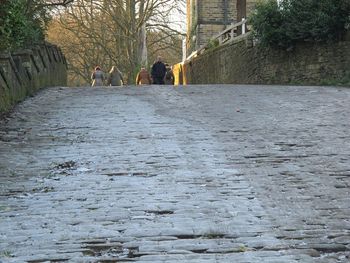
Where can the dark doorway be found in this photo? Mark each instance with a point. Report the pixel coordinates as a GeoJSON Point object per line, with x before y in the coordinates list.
{"type": "Point", "coordinates": [241, 9]}
{"type": "Point", "coordinates": [241, 13]}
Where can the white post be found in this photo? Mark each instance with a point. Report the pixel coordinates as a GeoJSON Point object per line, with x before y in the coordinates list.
{"type": "Point", "coordinates": [184, 50]}
{"type": "Point", "coordinates": [243, 26]}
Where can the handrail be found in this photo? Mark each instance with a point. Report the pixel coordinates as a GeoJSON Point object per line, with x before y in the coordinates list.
{"type": "Point", "coordinates": [231, 31]}
{"type": "Point", "coordinates": [225, 36]}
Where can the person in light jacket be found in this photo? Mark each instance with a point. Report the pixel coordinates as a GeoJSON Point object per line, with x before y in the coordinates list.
{"type": "Point", "coordinates": [143, 77]}
{"type": "Point", "coordinates": [97, 77]}
{"type": "Point", "coordinates": [115, 77]}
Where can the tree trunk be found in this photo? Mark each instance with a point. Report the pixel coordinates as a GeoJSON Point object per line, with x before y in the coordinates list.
{"type": "Point", "coordinates": [142, 46]}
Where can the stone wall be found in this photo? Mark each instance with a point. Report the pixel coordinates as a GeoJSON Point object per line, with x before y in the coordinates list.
{"type": "Point", "coordinates": [24, 72]}
{"type": "Point", "coordinates": [241, 62]}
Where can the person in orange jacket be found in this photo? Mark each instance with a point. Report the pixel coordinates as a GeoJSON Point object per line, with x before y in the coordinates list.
{"type": "Point", "coordinates": [143, 77]}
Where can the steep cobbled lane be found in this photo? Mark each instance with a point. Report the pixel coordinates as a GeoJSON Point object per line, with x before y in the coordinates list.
{"type": "Point", "coordinates": [220, 173]}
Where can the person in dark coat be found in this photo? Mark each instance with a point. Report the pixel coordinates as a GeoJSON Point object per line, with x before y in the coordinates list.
{"type": "Point", "coordinates": [158, 71]}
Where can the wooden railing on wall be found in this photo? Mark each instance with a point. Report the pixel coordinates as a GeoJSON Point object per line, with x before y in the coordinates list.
{"type": "Point", "coordinates": [224, 37]}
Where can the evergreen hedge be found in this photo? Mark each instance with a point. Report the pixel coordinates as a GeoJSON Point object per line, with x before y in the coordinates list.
{"type": "Point", "coordinates": [287, 22]}
{"type": "Point", "coordinates": [20, 26]}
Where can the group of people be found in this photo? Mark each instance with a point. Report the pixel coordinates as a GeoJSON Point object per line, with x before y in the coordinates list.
{"type": "Point", "coordinates": [115, 77]}
{"type": "Point", "coordinates": [161, 74]}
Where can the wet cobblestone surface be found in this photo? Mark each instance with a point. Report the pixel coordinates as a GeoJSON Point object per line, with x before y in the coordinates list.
{"type": "Point", "coordinates": [163, 174]}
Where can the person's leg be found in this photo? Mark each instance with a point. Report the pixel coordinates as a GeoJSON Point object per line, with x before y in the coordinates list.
{"type": "Point", "coordinates": [157, 81]}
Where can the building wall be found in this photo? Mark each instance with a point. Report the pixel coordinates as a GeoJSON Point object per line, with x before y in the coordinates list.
{"type": "Point", "coordinates": [212, 19]}
{"type": "Point", "coordinates": [207, 18]}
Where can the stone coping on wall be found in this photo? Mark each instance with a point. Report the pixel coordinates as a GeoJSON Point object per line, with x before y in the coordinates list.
{"type": "Point", "coordinates": [25, 71]}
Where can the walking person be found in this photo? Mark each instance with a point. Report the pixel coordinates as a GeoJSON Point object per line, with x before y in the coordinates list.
{"type": "Point", "coordinates": [97, 77]}
{"type": "Point", "coordinates": [169, 76]}
{"type": "Point", "coordinates": [115, 77]}
{"type": "Point", "coordinates": [158, 71]}
{"type": "Point", "coordinates": [143, 77]}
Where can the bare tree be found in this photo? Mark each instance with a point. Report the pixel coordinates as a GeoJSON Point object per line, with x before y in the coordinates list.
{"type": "Point", "coordinates": [49, 2]}
{"type": "Point", "coordinates": [113, 32]}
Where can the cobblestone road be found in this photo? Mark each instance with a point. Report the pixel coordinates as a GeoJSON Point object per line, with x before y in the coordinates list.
{"type": "Point", "coordinates": [191, 174]}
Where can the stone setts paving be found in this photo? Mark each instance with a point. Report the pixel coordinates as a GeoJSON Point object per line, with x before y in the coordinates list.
{"type": "Point", "coordinates": [210, 173]}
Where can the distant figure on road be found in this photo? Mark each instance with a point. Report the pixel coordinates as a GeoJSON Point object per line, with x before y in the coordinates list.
{"type": "Point", "coordinates": [143, 77]}
{"type": "Point", "coordinates": [158, 71]}
{"type": "Point", "coordinates": [115, 77]}
{"type": "Point", "coordinates": [169, 76]}
{"type": "Point", "coordinates": [97, 77]}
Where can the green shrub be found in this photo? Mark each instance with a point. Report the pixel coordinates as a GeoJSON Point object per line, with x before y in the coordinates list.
{"type": "Point", "coordinates": [292, 21]}
{"type": "Point", "coordinates": [18, 27]}
{"type": "Point", "coordinates": [267, 21]}
{"type": "Point", "coordinates": [212, 43]}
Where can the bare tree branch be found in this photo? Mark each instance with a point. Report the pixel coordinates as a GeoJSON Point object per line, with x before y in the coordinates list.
{"type": "Point", "coordinates": [108, 32]}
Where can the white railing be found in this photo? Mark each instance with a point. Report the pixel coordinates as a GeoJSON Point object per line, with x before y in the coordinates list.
{"type": "Point", "coordinates": [231, 32]}
{"type": "Point", "coordinates": [224, 37]}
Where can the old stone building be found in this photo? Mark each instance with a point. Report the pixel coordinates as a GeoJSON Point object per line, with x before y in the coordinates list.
{"type": "Point", "coordinates": [206, 18]}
